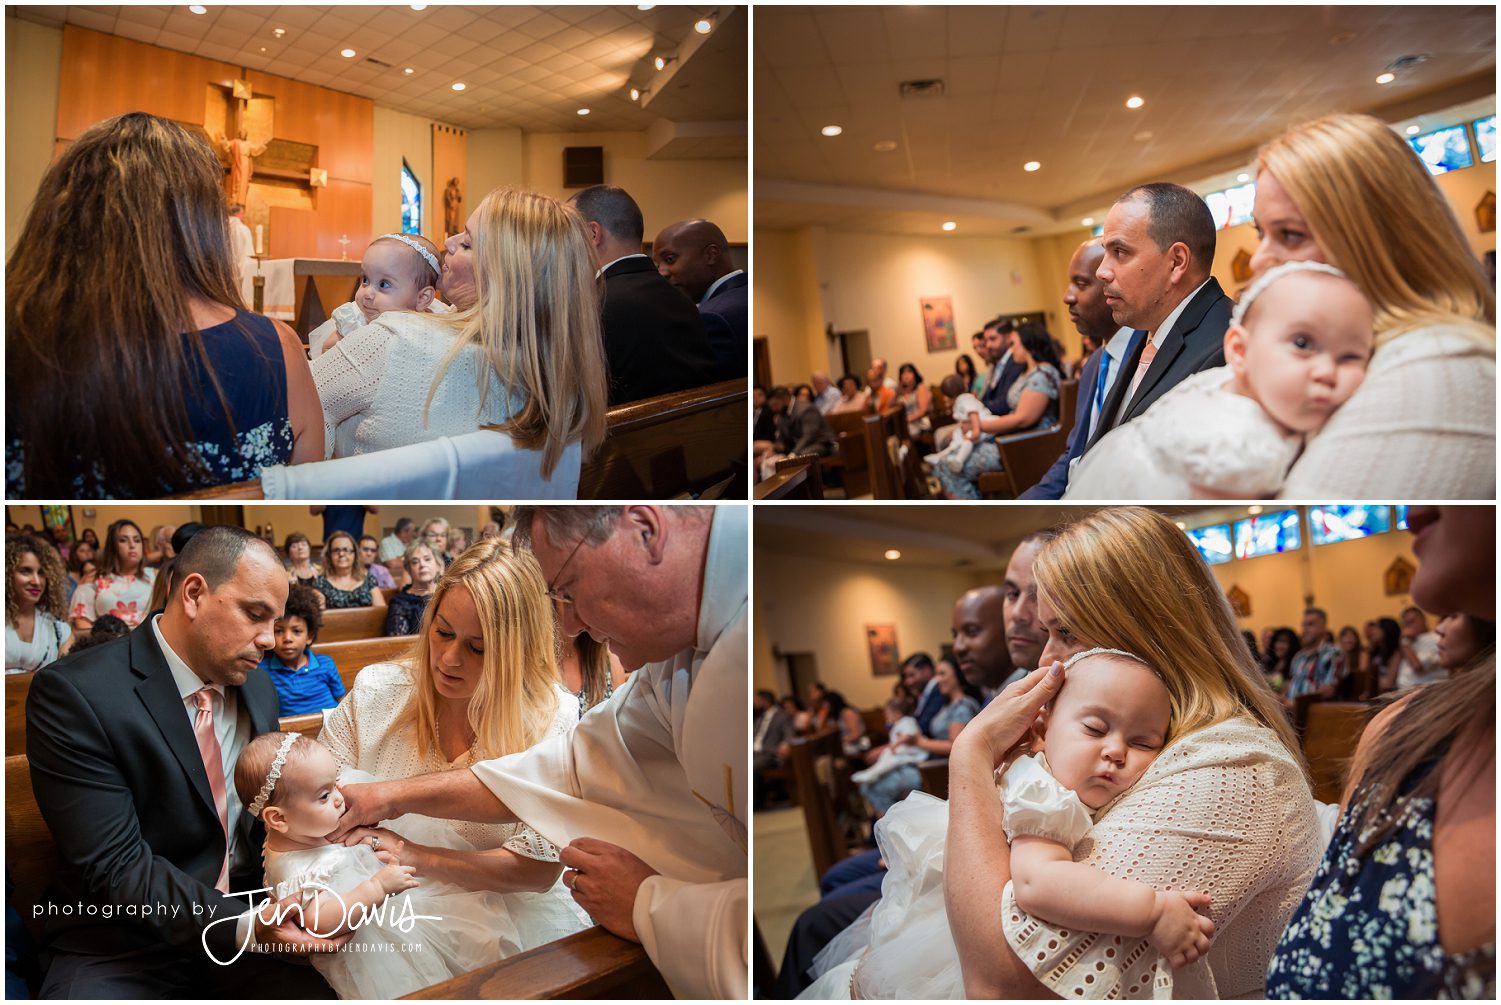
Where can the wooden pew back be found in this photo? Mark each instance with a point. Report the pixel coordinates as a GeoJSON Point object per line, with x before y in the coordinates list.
{"type": "Point", "coordinates": [30, 855]}
{"type": "Point", "coordinates": [348, 623]}
{"type": "Point", "coordinates": [820, 791]}
{"type": "Point", "coordinates": [353, 656]}
{"type": "Point", "coordinates": [17, 686]}
{"type": "Point", "coordinates": [1331, 732]}
{"type": "Point", "coordinates": [672, 445]}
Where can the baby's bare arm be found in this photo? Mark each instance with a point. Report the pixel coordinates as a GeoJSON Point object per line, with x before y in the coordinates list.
{"type": "Point", "coordinates": [329, 909]}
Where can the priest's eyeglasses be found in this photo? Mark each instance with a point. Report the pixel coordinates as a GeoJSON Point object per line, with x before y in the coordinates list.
{"type": "Point", "coordinates": [552, 590]}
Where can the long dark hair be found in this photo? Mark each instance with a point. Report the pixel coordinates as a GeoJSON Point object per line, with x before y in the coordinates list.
{"type": "Point", "coordinates": [128, 229]}
{"type": "Point", "coordinates": [967, 370]}
{"type": "Point", "coordinates": [1039, 345]}
{"type": "Point", "coordinates": [1269, 661]}
{"type": "Point", "coordinates": [107, 556]}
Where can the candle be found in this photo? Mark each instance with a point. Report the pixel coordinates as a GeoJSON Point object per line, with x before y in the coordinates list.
{"type": "Point", "coordinates": [260, 249]}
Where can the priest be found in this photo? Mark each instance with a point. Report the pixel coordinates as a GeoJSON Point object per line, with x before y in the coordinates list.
{"type": "Point", "coordinates": [647, 797]}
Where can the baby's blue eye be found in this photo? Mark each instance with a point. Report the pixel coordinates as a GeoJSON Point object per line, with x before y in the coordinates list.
{"type": "Point", "coordinates": [385, 284]}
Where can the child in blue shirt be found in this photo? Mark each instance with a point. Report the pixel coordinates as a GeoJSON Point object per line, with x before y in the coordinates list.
{"type": "Point", "coordinates": [305, 681]}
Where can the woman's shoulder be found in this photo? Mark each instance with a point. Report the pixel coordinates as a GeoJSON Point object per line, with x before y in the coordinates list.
{"type": "Point", "coordinates": [383, 678]}
{"type": "Point", "coordinates": [1240, 742]}
{"type": "Point", "coordinates": [1441, 341]}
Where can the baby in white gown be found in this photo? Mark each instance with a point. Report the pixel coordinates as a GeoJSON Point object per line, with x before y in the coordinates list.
{"type": "Point", "coordinates": [407, 936]}
{"type": "Point", "coordinates": [965, 407]}
{"type": "Point", "coordinates": [1234, 431]}
{"type": "Point", "coordinates": [399, 272]}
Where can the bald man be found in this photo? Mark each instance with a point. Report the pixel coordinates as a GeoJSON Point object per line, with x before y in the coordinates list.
{"type": "Point", "coordinates": [694, 256]}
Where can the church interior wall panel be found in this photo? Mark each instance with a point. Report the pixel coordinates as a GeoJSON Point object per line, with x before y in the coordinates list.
{"type": "Point", "coordinates": [341, 125]}
{"type": "Point", "coordinates": [146, 516]}
{"type": "Point", "coordinates": [285, 520]}
{"type": "Point", "coordinates": [666, 190]}
{"type": "Point", "coordinates": [342, 210]}
{"type": "Point", "coordinates": [1464, 189]}
{"type": "Point", "coordinates": [785, 314]}
{"type": "Point", "coordinates": [821, 606]}
{"type": "Point", "coordinates": [33, 66]}
{"type": "Point", "coordinates": [450, 160]}
{"type": "Point", "coordinates": [876, 282]}
{"type": "Point", "coordinates": [399, 136]}
{"type": "Point", "coordinates": [496, 159]}
{"type": "Point", "coordinates": [1345, 580]}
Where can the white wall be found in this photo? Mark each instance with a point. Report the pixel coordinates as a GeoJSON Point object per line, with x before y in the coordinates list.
{"type": "Point", "coordinates": [399, 135]}
{"type": "Point", "coordinates": [495, 161]}
{"type": "Point", "coordinates": [33, 70]}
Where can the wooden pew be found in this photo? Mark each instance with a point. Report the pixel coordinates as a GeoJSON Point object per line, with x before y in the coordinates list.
{"type": "Point", "coordinates": [588, 964]}
{"type": "Point", "coordinates": [308, 725]}
{"type": "Point", "coordinates": [671, 446]}
{"type": "Point", "coordinates": [935, 776]}
{"type": "Point", "coordinates": [592, 963]}
{"type": "Point", "coordinates": [850, 459]}
{"type": "Point", "coordinates": [347, 623]}
{"type": "Point", "coordinates": [821, 795]}
{"type": "Point", "coordinates": [1331, 732]}
{"type": "Point", "coordinates": [17, 686]}
{"type": "Point", "coordinates": [798, 477]}
{"type": "Point", "coordinates": [353, 656]}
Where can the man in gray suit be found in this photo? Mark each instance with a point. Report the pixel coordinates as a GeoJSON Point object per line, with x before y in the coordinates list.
{"type": "Point", "coordinates": [1159, 246]}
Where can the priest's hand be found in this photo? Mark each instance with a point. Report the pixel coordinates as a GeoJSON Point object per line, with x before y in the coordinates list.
{"type": "Point", "coordinates": [604, 879]}
{"type": "Point", "coordinates": [364, 804]}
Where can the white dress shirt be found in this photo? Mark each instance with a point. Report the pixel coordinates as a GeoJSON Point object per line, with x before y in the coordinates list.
{"type": "Point", "coordinates": [601, 270]}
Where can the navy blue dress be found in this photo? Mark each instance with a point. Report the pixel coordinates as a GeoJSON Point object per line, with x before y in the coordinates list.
{"type": "Point", "coordinates": [1368, 927]}
{"type": "Point", "coordinates": [246, 355]}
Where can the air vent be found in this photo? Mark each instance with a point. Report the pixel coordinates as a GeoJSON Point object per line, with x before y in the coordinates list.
{"type": "Point", "coordinates": [377, 62]}
{"type": "Point", "coordinates": [1405, 63]}
{"type": "Point", "coordinates": [1020, 230]}
{"type": "Point", "coordinates": [921, 88]}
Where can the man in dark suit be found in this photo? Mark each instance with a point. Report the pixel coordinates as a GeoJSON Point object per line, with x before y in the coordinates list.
{"type": "Point", "coordinates": [654, 338]}
{"type": "Point", "coordinates": [132, 747]}
{"type": "Point", "coordinates": [801, 428]}
{"type": "Point", "coordinates": [771, 730]}
{"type": "Point", "coordinates": [1004, 370]}
{"type": "Point", "coordinates": [1085, 300]}
{"type": "Point", "coordinates": [694, 256]}
{"type": "Point", "coordinates": [1159, 245]}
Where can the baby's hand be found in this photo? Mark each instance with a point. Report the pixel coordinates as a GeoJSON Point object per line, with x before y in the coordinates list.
{"type": "Point", "coordinates": [396, 878]}
{"type": "Point", "coordinates": [1179, 932]}
{"type": "Point", "coordinates": [331, 341]}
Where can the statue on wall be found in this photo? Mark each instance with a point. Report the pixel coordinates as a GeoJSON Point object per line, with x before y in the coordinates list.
{"type": "Point", "coordinates": [239, 151]}
{"type": "Point", "coordinates": [453, 212]}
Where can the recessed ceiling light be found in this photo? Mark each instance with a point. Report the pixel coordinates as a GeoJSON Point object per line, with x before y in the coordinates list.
{"type": "Point", "coordinates": [635, 94]}
{"type": "Point", "coordinates": [1243, 177]}
{"type": "Point", "coordinates": [347, 53]}
{"type": "Point", "coordinates": [885, 146]}
{"type": "Point", "coordinates": [832, 130]}
{"type": "Point", "coordinates": [1088, 221]}
{"type": "Point", "coordinates": [645, 6]}
{"type": "Point", "coordinates": [1386, 78]}
{"type": "Point", "coordinates": [278, 32]}
{"type": "Point", "coordinates": [263, 48]}
{"type": "Point", "coordinates": [459, 85]}
{"type": "Point", "coordinates": [583, 111]}
{"type": "Point", "coordinates": [198, 8]}
{"type": "Point", "coordinates": [1254, 510]}
{"type": "Point", "coordinates": [892, 554]}
{"type": "Point", "coordinates": [1414, 130]}
{"type": "Point", "coordinates": [419, 6]}
{"type": "Point", "coordinates": [703, 25]}
{"type": "Point", "coordinates": [408, 71]}
{"type": "Point", "coordinates": [1031, 165]}
{"type": "Point", "coordinates": [950, 225]}
{"type": "Point", "coordinates": [1135, 102]}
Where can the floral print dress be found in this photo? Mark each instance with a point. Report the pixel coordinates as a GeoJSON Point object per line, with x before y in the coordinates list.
{"type": "Point", "coordinates": [1368, 927]}
{"type": "Point", "coordinates": [126, 597]}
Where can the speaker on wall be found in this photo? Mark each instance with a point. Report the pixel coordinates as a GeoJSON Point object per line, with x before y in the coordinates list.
{"type": "Point", "coordinates": [583, 166]}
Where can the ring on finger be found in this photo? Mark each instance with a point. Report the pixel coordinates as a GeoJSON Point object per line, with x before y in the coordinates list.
{"type": "Point", "coordinates": [375, 843]}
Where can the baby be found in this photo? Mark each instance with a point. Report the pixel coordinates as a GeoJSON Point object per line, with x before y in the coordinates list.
{"type": "Point", "coordinates": [400, 944]}
{"type": "Point", "coordinates": [398, 273]}
{"type": "Point", "coordinates": [1102, 731]}
{"type": "Point", "coordinates": [1297, 347]}
{"type": "Point", "coordinates": [967, 413]}
{"type": "Point", "coordinates": [899, 723]}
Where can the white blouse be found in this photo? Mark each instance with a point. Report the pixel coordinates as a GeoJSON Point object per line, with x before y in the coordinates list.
{"type": "Point", "coordinates": [48, 636]}
{"type": "Point", "coordinates": [374, 385]}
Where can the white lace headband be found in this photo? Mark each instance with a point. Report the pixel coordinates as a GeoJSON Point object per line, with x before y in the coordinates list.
{"type": "Point", "coordinates": [427, 256]}
{"type": "Point", "coordinates": [1102, 651]}
{"type": "Point", "coordinates": [264, 796]}
{"type": "Point", "coordinates": [1272, 275]}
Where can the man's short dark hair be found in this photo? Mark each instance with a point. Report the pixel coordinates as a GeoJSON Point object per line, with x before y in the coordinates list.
{"type": "Point", "coordinates": [1410, 610]}
{"type": "Point", "coordinates": [759, 387]}
{"type": "Point", "coordinates": [780, 391]}
{"type": "Point", "coordinates": [768, 695]}
{"type": "Point", "coordinates": [1323, 614]}
{"type": "Point", "coordinates": [612, 208]}
{"type": "Point", "coordinates": [214, 553]}
{"type": "Point", "coordinates": [919, 660]}
{"type": "Point", "coordinates": [404, 523]}
{"type": "Point", "coordinates": [1176, 214]}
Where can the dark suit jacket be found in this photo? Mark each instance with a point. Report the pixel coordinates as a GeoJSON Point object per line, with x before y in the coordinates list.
{"type": "Point", "coordinates": [654, 336]}
{"type": "Point", "coordinates": [803, 430]}
{"type": "Point", "coordinates": [779, 731]}
{"type": "Point", "coordinates": [1196, 342]}
{"type": "Point", "coordinates": [727, 324]}
{"type": "Point", "coordinates": [122, 787]}
{"type": "Point", "coordinates": [995, 398]}
{"type": "Point", "coordinates": [765, 424]}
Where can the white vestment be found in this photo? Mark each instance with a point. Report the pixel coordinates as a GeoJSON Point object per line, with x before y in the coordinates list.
{"type": "Point", "coordinates": [242, 250]}
{"type": "Point", "coordinates": [659, 769]}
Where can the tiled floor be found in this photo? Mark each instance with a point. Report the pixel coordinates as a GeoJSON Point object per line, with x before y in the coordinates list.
{"type": "Point", "coordinates": [784, 881]}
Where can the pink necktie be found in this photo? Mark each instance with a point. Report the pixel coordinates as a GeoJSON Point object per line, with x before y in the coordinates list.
{"type": "Point", "coordinates": [1148, 353]}
{"type": "Point", "coordinates": [213, 763]}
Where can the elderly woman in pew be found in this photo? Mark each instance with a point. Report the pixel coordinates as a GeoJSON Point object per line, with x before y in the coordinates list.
{"type": "Point", "coordinates": [1403, 904]}
{"type": "Point", "coordinates": [523, 352]}
{"type": "Point", "coordinates": [345, 581]}
{"type": "Point", "coordinates": [480, 682]}
{"type": "Point", "coordinates": [404, 615]}
{"type": "Point", "coordinates": [132, 368]}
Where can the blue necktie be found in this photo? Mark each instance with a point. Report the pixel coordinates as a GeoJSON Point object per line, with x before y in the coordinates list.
{"type": "Point", "coordinates": [1099, 384]}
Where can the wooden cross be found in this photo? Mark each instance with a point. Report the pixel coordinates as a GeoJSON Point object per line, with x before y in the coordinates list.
{"type": "Point", "coordinates": [344, 248]}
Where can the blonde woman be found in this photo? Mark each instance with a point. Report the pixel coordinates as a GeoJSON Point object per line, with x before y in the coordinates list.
{"type": "Point", "coordinates": [527, 357]}
{"type": "Point", "coordinates": [1348, 191]}
{"type": "Point", "coordinates": [480, 682]}
{"type": "Point", "coordinates": [1225, 808]}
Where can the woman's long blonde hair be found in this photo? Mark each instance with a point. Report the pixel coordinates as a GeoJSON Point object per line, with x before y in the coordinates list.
{"type": "Point", "coordinates": [1378, 214]}
{"type": "Point", "coordinates": [517, 698]}
{"type": "Point", "coordinates": [537, 321]}
{"type": "Point", "coordinates": [1129, 578]}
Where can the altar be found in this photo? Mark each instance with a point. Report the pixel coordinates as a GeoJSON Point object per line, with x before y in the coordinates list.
{"type": "Point", "coordinates": [302, 291]}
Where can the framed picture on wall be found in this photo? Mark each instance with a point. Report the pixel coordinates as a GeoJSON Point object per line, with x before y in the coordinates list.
{"type": "Point", "coordinates": [938, 323]}
{"type": "Point", "coordinates": [885, 658]}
